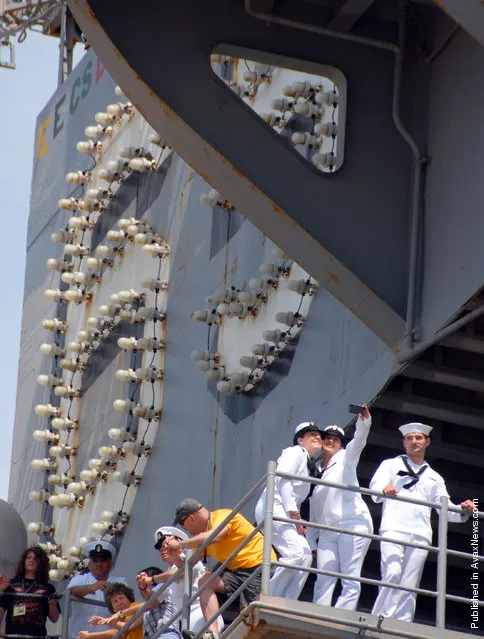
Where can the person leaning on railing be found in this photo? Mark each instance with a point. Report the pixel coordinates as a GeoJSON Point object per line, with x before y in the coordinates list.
{"type": "Point", "coordinates": [175, 559]}
{"type": "Point", "coordinates": [28, 615]}
{"type": "Point", "coordinates": [200, 522]}
{"type": "Point", "coordinates": [340, 552]}
{"type": "Point", "coordinates": [409, 476]}
{"type": "Point", "coordinates": [289, 494]}
{"type": "Point", "coordinates": [159, 614]}
{"type": "Point", "coordinates": [120, 601]}
{"type": "Point", "coordinates": [146, 626]}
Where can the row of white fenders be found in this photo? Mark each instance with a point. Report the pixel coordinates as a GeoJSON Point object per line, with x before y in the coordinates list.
{"type": "Point", "coordinates": [95, 502]}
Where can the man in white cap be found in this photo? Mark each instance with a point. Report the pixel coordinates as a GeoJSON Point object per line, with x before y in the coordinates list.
{"type": "Point", "coordinates": [91, 585]}
{"type": "Point", "coordinates": [409, 476]}
{"type": "Point", "coordinates": [289, 494]}
{"type": "Point", "coordinates": [175, 559]}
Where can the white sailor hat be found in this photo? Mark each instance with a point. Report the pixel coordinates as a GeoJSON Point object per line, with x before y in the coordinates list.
{"type": "Point", "coordinates": [164, 531]}
{"type": "Point", "coordinates": [99, 549]}
{"type": "Point", "coordinates": [415, 427]}
{"type": "Point", "coordinates": [305, 427]}
{"type": "Point", "coordinates": [336, 431]}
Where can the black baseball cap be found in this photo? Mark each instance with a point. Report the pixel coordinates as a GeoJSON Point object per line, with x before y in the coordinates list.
{"type": "Point", "coordinates": [186, 507]}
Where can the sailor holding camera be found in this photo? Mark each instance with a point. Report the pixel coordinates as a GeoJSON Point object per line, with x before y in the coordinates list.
{"type": "Point", "coordinates": [340, 552]}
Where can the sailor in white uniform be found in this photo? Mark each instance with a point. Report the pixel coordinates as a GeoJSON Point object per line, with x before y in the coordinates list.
{"type": "Point", "coordinates": [289, 494]}
{"type": "Point", "coordinates": [407, 475]}
{"type": "Point", "coordinates": [339, 552]}
{"type": "Point", "coordinates": [91, 585]}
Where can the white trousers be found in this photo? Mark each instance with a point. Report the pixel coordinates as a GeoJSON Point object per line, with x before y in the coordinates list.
{"type": "Point", "coordinates": [294, 549]}
{"type": "Point", "coordinates": [401, 565]}
{"type": "Point", "coordinates": [342, 553]}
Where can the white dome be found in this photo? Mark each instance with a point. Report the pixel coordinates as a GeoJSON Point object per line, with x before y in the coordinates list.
{"type": "Point", "coordinates": [13, 536]}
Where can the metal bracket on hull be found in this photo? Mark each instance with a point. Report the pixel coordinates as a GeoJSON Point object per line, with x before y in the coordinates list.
{"type": "Point", "coordinates": [469, 14]}
{"type": "Point", "coordinates": [350, 229]}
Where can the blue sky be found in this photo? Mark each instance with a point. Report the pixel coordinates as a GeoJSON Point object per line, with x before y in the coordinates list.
{"type": "Point", "coordinates": [23, 93]}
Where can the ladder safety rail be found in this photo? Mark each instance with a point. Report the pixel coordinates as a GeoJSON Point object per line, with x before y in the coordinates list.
{"type": "Point", "coordinates": [442, 551]}
{"type": "Point", "coordinates": [193, 560]}
{"type": "Point", "coordinates": [442, 563]}
{"type": "Point", "coordinates": [66, 613]}
{"type": "Point", "coordinates": [226, 604]}
{"type": "Point", "coordinates": [187, 590]}
{"type": "Point", "coordinates": [214, 575]}
{"type": "Point", "coordinates": [268, 523]}
{"type": "Point", "coordinates": [83, 600]}
{"type": "Point", "coordinates": [363, 580]}
{"type": "Point", "coordinates": [9, 636]}
{"type": "Point", "coordinates": [30, 595]}
{"type": "Point", "coordinates": [374, 537]}
{"type": "Point", "coordinates": [367, 491]}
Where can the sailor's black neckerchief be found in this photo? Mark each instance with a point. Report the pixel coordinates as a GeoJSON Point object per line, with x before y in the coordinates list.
{"type": "Point", "coordinates": [411, 473]}
{"type": "Point", "coordinates": [314, 471]}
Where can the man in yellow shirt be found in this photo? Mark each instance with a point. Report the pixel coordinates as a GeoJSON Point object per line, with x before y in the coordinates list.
{"type": "Point", "coordinates": [199, 522]}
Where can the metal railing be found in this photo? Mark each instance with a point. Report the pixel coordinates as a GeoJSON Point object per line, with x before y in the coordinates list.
{"type": "Point", "coordinates": [66, 615]}
{"type": "Point", "coordinates": [441, 550]}
{"type": "Point", "coordinates": [265, 569]}
{"type": "Point", "coordinates": [29, 595]}
{"type": "Point", "coordinates": [188, 598]}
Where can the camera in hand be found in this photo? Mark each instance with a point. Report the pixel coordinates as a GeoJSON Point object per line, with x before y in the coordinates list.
{"type": "Point", "coordinates": [356, 409]}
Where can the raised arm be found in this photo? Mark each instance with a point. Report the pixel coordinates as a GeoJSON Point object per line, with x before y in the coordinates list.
{"type": "Point", "coordinates": [145, 581]}
{"type": "Point", "coordinates": [356, 445]}
{"type": "Point", "coordinates": [196, 540]}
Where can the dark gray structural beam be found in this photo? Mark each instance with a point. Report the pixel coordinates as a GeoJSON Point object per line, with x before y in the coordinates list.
{"type": "Point", "coordinates": [469, 14]}
{"type": "Point", "coordinates": [432, 409]}
{"type": "Point", "coordinates": [464, 343]}
{"type": "Point", "coordinates": [445, 375]}
{"type": "Point", "coordinates": [349, 229]}
{"type": "Point", "coordinates": [348, 14]}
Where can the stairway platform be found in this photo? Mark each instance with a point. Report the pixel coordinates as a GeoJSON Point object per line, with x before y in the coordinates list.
{"type": "Point", "coordinates": [278, 618]}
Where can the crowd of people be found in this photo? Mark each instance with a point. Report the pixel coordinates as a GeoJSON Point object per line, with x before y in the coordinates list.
{"type": "Point", "coordinates": [27, 600]}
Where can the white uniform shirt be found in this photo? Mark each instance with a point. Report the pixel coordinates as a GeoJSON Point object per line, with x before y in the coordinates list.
{"type": "Point", "coordinates": [401, 516]}
{"type": "Point", "coordinates": [333, 506]}
{"type": "Point", "coordinates": [289, 494]}
{"type": "Point", "coordinates": [80, 612]}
